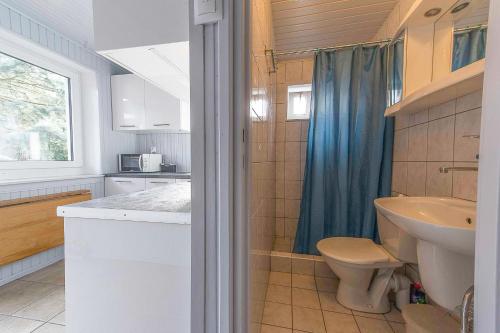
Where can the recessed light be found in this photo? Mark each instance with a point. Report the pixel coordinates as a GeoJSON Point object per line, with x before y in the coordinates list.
{"type": "Point", "coordinates": [432, 12]}
{"type": "Point", "coordinates": [460, 7]}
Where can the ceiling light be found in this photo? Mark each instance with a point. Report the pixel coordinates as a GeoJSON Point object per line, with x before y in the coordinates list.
{"type": "Point", "coordinates": [460, 7]}
{"type": "Point", "coordinates": [432, 12]}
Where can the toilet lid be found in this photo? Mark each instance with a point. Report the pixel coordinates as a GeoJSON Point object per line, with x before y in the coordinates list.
{"type": "Point", "coordinates": [352, 250]}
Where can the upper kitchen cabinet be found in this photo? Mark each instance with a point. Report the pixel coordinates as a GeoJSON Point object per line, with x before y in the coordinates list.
{"type": "Point", "coordinates": [141, 106]}
{"type": "Point", "coordinates": [128, 102]}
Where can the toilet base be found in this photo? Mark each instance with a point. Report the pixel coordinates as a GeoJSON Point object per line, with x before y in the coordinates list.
{"type": "Point", "coordinates": [373, 300]}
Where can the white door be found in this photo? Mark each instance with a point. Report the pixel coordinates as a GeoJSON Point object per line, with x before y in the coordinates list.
{"type": "Point", "coordinates": [158, 182]}
{"type": "Point", "coordinates": [163, 111]}
{"type": "Point", "coordinates": [120, 185]}
{"type": "Point", "coordinates": [128, 102]}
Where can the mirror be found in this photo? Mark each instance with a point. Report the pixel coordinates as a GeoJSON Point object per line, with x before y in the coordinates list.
{"type": "Point", "coordinates": [468, 20]}
{"type": "Point", "coordinates": [395, 59]}
{"type": "Point", "coordinates": [469, 34]}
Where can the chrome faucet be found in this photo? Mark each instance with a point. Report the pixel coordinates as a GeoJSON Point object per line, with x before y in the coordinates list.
{"type": "Point", "coordinates": [447, 169]}
{"type": "Point", "coordinates": [467, 311]}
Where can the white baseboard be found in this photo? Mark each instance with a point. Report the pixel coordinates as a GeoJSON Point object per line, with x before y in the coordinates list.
{"type": "Point", "coordinates": [23, 267]}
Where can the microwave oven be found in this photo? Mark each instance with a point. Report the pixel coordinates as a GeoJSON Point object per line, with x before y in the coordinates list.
{"type": "Point", "coordinates": [139, 162]}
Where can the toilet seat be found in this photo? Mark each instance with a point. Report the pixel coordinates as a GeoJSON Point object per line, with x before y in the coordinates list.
{"type": "Point", "coordinates": [356, 251]}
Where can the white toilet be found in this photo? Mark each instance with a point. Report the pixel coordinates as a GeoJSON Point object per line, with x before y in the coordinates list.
{"type": "Point", "coordinates": [366, 270]}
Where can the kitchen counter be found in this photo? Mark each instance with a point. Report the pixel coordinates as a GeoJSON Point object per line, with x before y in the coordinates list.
{"type": "Point", "coordinates": [167, 204]}
{"type": "Point", "coordinates": [177, 175]}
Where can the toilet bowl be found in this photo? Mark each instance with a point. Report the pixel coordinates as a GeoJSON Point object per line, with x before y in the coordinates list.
{"type": "Point", "coordinates": [366, 269]}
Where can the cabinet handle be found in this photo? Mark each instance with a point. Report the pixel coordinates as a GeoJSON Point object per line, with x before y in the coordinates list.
{"type": "Point", "coordinates": [123, 181]}
{"type": "Point", "coordinates": [127, 126]}
{"type": "Point", "coordinates": [161, 124]}
{"type": "Point", "coordinates": [159, 182]}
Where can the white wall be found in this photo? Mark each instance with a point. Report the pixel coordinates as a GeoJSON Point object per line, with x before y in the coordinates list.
{"type": "Point", "coordinates": [146, 22]}
{"type": "Point", "coordinates": [175, 147]}
{"type": "Point", "coordinates": [112, 143]}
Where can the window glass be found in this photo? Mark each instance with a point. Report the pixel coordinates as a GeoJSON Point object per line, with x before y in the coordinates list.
{"type": "Point", "coordinates": [395, 71]}
{"type": "Point", "coordinates": [35, 113]}
{"type": "Point", "coordinates": [299, 101]}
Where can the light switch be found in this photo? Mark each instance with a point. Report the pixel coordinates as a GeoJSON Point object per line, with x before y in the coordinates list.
{"type": "Point", "coordinates": [207, 11]}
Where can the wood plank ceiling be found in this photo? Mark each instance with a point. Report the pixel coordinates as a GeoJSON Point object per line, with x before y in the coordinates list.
{"type": "Point", "coordinates": [304, 24]}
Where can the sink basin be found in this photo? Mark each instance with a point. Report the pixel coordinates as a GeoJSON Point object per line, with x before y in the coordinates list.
{"type": "Point", "coordinates": [449, 223]}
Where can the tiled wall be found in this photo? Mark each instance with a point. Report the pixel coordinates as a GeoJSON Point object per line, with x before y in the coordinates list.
{"type": "Point", "coordinates": [262, 162]}
{"type": "Point", "coordinates": [434, 138]}
{"type": "Point", "coordinates": [175, 147]}
{"type": "Point", "coordinates": [291, 137]}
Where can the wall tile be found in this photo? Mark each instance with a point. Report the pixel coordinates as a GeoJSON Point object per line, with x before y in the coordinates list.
{"type": "Point", "coordinates": [280, 113]}
{"type": "Point", "coordinates": [419, 117]}
{"type": "Point", "coordinates": [402, 121]}
{"type": "Point", "coordinates": [281, 73]}
{"type": "Point", "coordinates": [443, 110]}
{"type": "Point", "coordinates": [292, 151]}
{"type": "Point", "coordinates": [440, 139]}
{"type": "Point", "coordinates": [465, 182]}
{"type": "Point", "coordinates": [293, 129]}
{"type": "Point", "coordinates": [292, 171]}
{"type": "Point", "coordinates": [304, 130]}
{"type": "Point", "coordinates": [293, 189]}
{"type": "Point", "coordinates": [307, 70]}
{"type": "Point", "coordinates": [399, 177]}
{"type": "Point", "coordinates": [417, 171]}
{"type": "Point", "coordinates": [469, 102]}
{"type": "Point", "coordinates": [293, 72]}
{"type": "Point", "coordinates": [417, 143]}
{"type": "Point", "coordinates": [292, 208]}
{"type": "Point", "coordinates": [438, 184]}
{"type": "Point", "coordinates": [400, 153]}
{"type": "Point", "coordinates": [280, 132]}
{"type": "Point", "coordinates": [467, 123]}
{"type": "Point", "coordinates": [281, 93]}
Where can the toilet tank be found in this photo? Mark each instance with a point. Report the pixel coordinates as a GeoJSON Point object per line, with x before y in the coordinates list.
{"type": "Point", "coordinates": [396, 241]}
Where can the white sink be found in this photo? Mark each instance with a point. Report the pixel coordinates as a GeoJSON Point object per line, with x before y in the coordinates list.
{"type": "Point", "coordinates": [445, 232]}
{"type": "Point", "coordinates": [449, 223]}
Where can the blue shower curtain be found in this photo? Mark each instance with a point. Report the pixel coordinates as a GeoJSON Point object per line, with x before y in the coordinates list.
{"type": "Point", "coordinates": [468, 46]}
{"type": "Point", "coordinates": [349, 148]}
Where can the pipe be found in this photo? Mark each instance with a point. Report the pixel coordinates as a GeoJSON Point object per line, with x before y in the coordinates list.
{"type": "Point", "coordinates": [467, 311]}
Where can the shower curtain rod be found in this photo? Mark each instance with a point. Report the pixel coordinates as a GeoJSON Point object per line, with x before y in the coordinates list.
{"type": "Point", "coordinates": [281, 53]}
{"type": "Point", "coordinates": [472, 27]}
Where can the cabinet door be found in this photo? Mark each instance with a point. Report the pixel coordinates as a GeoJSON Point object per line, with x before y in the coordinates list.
{"type": "Point", "coordinates": [128, 102]}
{"type": "Point", "coordinates": [182, 180]}
{"type": "Point", "coordinates": [163, 111]}
{"type": "Point", "coordinates": [120, 185]}
{"type": "Point", "coordinates": [158, 182]}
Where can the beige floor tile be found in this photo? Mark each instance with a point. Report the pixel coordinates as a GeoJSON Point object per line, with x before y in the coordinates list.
{"type": "Point", "coordinates": [368, 315]}
{"type": "Point", "coordinates": [370, 325]}
{"type": "Point", "coordinates": [398, 327]}
{"type": "Point", "coordinates": [45, 308]}
{"type": "Point", "coordinates": [52, 274]}
{"type": "Point", "coordinates": [305, 298]}
{"type": "Point", "coordinates": [329, 303]}
{"type": "Point", "coordinates": [281, 279]}
{"type": "Point", "coordinates": [309, 320]}
{"type": "Point", "coordinates": [279, 294]}
{"type": "Point", "coordinates": [18, 325]}
{"type": "Point", "coordinates": [395, 315]}
{"type": "Point", "coordinates": [274, 329]}
{"type": "Point", "coordinates": [340, 323]}
{"type": "Point", "coordinates": [303, 281]}
{"type": "Point", "coordinates": [50, 328]}
{"type": "Point", "coordinates": [59, 319]}
{"type": "Point", "coordinates": [277, 314]}
{"type": "Point", "coordinates": [327, 284]}
{"type": "Point", "coordinates": [19, 294]}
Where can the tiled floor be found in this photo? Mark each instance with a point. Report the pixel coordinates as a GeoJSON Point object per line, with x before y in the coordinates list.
{"type": "Point", "coordinates": [34, 303]}
{"type": "Point", "coordinates": [297, 303]}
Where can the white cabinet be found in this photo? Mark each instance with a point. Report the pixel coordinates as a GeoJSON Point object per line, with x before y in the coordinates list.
{"type": "Point", "coordinates": [120, 185]}
{"type": "Point", "coordinates": [162, 109]}
{"type": "Point", "coordinates": [128, 102]}
{"type": "Point", "coordinates": [158, 182]}
{"type": "Point", "coordinates": [140, 106]}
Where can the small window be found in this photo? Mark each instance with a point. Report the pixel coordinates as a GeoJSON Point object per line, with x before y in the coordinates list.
{"type": "Point", "coordinates": [299, 101]}
{"type": "Point", "coordinates": [35, 113]}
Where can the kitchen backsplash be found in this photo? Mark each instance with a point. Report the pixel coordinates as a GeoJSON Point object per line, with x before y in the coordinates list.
{"type": "Point", "coordinates": [175, 147]}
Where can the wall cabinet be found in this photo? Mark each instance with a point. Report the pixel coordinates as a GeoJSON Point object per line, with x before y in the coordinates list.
{"type": "Point", "coordinates": [140, 106]}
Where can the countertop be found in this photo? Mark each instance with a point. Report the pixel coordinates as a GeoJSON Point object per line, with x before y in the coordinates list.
{"type": "Point", "coordinates": [167, 204]}
{"type": "Point", "coordinates": [177, 175]}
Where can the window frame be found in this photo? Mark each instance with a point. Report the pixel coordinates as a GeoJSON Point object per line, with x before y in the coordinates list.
{"type": "Point", "coordinates": [289, 115]}
{"type": "Point", "coordinates": [26, 51]}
